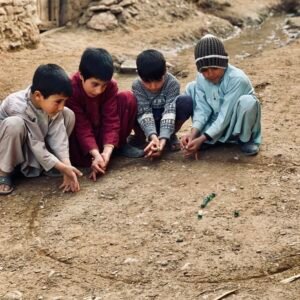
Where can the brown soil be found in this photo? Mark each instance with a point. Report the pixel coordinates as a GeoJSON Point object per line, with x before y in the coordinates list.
{"type": "Point", "coordinates": [134, 234]}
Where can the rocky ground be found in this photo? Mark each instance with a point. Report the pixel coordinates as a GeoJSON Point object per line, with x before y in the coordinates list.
{"type": "Point", "coordinates": [135, 233]}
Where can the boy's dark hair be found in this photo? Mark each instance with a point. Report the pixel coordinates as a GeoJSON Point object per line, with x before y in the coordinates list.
{"type": "Point", "coordinates": [51, 79]}
{"type": "Point", "coordinates": [97, 63]}
{"type": "Point", "coordinates": [151, 65]}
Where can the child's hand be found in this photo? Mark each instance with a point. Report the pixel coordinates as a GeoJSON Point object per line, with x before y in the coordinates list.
{"type": "Point", "coordinates": [185, 140]}
{"type": "Point", "coordinates": [153, 148]}
{"type": "Point", "coordinates": [70, 181]}
{"type": "Point", "coordinates": [191, 149]}
{"type": "Point", "coordinates": [98, 166]}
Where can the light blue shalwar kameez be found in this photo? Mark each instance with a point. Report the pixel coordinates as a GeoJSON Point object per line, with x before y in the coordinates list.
{"type": "Point", "coordinates": [227, 110]}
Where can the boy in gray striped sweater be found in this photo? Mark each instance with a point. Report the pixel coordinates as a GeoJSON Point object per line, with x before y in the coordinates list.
{"type": "Point", "coordinates": [159, 114]}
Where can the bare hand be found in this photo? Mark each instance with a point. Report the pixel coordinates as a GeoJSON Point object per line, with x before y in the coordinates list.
{"type": "Point", "coordinates": [70, 181]}
{"type": "Point", "coordinates": [191, 149]}
{"type": "Point", "coordinates": [153, 149]}
{"type": "Point", "coordinates": [185, 140]}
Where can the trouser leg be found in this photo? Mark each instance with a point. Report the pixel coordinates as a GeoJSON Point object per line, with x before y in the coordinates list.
{"type": "Point", "coordinates": [69, 120]}
{"type": "Point", "coordinates": [247, 125]}
{"type": "Point", "coordinates": [127, 109]}
{"type": "Point", "coordinates": [12, 138]}
{"type": "Point", "coordinates": [184, 110]}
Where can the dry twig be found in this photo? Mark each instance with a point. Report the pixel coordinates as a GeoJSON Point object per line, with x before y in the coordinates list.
{"type": "Point", "coordinates": [226, 294]}
{"type": "Point", "coordinates": [290, 279]}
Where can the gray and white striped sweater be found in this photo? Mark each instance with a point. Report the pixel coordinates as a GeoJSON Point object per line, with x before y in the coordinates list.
{"type": "Point", "coordinates": [164, 99]}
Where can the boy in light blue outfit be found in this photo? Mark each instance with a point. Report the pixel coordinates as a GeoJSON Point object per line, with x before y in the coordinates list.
{"type": "Point", "coordinates": [225, 107]}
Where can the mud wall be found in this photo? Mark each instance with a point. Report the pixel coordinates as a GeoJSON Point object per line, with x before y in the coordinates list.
{"type": "Point", "coordinates": [18, 24]}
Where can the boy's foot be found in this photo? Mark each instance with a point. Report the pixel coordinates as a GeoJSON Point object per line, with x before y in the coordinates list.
{"type": "Point", "coordinates": [130, 151]}
{"type": "Point", "coordinates": [6, 186]}
{"type": "Point", "coordinates": [173, 143]}
{"type": "Point", "coordinates": [249, 148]}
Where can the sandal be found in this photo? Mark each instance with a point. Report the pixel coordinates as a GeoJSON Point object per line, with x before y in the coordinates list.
{"type": "Point", "coordinates": [6, 180]}
{"type": "Point", "coordinates": [174, 143]}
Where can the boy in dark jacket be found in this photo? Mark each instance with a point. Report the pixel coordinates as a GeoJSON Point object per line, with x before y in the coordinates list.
{"type": "Point", "coordinates": [104, 117]}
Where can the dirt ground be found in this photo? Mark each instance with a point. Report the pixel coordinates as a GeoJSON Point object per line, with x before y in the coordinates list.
{"type": "Point", "coordinates": [135, 234]}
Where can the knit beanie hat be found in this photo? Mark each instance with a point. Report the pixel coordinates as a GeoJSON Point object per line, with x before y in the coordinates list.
{"type": "Point", "coordinates": [210, 52]}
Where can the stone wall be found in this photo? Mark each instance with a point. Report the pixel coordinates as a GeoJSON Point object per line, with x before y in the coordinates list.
{"type": "Point", "coordinates": [75, 8]}
{"type": "Point", "coordinates": [18, 24]}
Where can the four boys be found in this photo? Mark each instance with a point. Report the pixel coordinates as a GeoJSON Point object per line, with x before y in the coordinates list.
{"type": "Point", "coordinates": [35, 125]}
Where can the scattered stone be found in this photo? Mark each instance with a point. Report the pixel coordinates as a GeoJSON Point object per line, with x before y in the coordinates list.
{"type": "Point", "coordinates": [163, 263]}
{"type": "Point", "coordinates": [13, 295]}
{"type": "Point", "coordinates": [109, 2]}
{"type": "Point", "coordinates": [116, 9]}
{"type": "Point", "coordinates": [98, 8]}
{"type": "Point", "coordinates": [125, 3]}
{"type": "Point", "coordinates": [185, 266]}
{"type": "Point", "coordinates": [128, 66]}
{"type": "Point", "coordinates": [103, 21]}
{"type": "Point", "coordinates": [200, 214]}
{"type": "Point", "coordinates": [293, 22]}
{"type": "Point", "coordinates": [51, 273]}
{"type": "Point", "coordinates": [130, 260]}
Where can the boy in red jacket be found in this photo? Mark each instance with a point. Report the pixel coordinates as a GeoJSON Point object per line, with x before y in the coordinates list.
{"type": "Point", "coordinates": [104, 117]}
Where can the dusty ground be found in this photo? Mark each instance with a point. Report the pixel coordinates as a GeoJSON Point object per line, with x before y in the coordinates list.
{"type": "Point", "coordinates": [135, 233]}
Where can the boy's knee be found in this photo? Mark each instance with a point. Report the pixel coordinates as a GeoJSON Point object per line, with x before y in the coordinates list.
{"type": "Point", "coordinates": [248, 103]}
{"type": "Point", "coordinates": [14, 126]}
{"type": "Point", "coordinates": [127, 99]}
{"type": "Point", "coordinates": [184, 107]}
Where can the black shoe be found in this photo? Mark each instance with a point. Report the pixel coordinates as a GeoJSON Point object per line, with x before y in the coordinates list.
{"type": "Point", "coordinates": [249, 148]}
{"type": "Point", "coordinates": [129, 151]}
{"type": "Point", "coordinates": [134, 141]}
{"type": "Point", "coordinates": [173, 143]}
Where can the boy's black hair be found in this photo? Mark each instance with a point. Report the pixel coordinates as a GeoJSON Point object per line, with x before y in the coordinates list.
{"type": "Point", "coordinates": [51, 79]}
{"type": "Point", "coordinates": [151, 65]}
{"type": "Point", "coordinates": [97, 63]}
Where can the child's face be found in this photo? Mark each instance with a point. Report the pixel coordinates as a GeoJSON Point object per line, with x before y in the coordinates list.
{"type": "Point", "coordinates": [51, 105]}
{"type": "Point", "coordinates": [154, 86]}
{"type": "Point", "coordinates": [213, 75]}
{"type": "Point", "coordinates": [93, 86]}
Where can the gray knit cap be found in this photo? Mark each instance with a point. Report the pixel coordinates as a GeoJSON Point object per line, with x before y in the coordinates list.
{"type": "Point", "coordinates": [210, 52]}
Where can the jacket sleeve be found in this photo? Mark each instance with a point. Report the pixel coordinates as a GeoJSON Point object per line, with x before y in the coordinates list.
{"type": "Point", "coordinates": [167, 123]}
{"type": "Point", "coordinates": [57, 137]}
{"type": "Point", "coordinates": [201, 109]}
{"type": "Point", "coordinates": [110, 117]}
{"type": "Point", "coordinates": [144, 113]}
{"type": "Point", "coordinates": [83, 128]}
{"type": "Point", "coordinates": [236, 87]}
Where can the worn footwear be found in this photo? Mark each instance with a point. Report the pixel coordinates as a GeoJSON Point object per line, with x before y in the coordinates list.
{"type": "Point", "coordinates": [249, 148]}
{"type": "Point", "coordinates": [173, 143]}
{"type": "Point", "coordinates": [130, 151]}
{"type": "Point", "coordinates": [6, 180]}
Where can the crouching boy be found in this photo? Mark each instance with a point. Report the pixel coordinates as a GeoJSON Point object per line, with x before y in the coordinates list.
{"type": "Point", "coordinates": [34, 129]}
{"type": "Point", "coordinates": [160, 114]}
{"type": "Point", "coordinates": [225, 106]}
{"type": "Point", "coordinates": [104, 116]}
